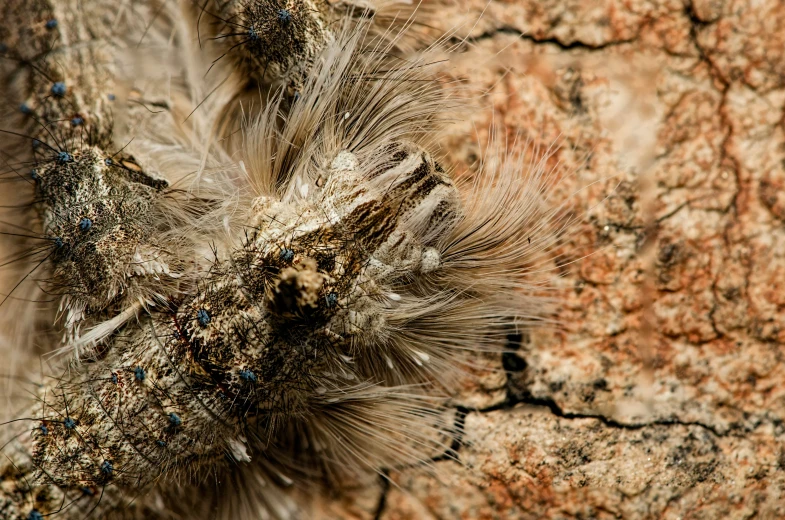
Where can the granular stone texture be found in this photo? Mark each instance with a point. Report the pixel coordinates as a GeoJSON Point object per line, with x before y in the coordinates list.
{"type": "Point", "coordinates": [662, 394]}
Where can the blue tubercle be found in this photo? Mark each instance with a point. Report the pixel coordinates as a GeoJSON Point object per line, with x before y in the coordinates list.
{"type": "Point", "coordinates": [44, 430]}
{"type": "Point", "coordinates": [107, 468]}
{"type": "Point", "coordinates": [64, 157]}
{"type": "Point", "coordinates": [85, 224]}
{"type": "Point", "coordinates": [175, 420]}
{"type": "Point", "coordinates": [25, 109]}
{"type": "Point", "coordinates": [332, 299]}
{"type": "Point", "coordinates": [59, 89]}
{"type": "Point", "coordinates": [287, 255]}
{"type": "Point", "coordinates": [35, 515]}
{"type": "Point", "coordinates": [77, 121]}
{"type": "Point", "coordinates": [139, 374]}
{"type": "Point", "coordinates": [247, 375]}
{"type": "Point", "coordinates": [52, 24]}
{"type": "Point", "coordinates": [69, 423]}
{"type": "Point", "coordinates": [284, 16]}
{"type": "Point", "coordinates": [203, 317]}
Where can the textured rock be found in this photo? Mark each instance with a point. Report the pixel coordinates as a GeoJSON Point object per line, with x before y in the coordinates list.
{"type": "Point", "coordinates": [662, 395]}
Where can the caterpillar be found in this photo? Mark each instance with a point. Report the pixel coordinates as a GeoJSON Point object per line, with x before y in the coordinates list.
{"type": "Point", "coordinates": [229, 292]}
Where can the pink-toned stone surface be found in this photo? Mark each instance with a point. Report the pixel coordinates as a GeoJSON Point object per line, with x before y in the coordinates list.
{"type": "Point", "coordinates": [663, 394]}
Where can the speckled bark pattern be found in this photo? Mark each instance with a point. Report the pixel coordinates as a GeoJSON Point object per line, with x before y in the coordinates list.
{"type": "Point", "coordinates": [663, 396]}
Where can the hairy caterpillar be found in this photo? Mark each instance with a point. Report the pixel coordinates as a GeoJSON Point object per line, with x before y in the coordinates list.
{"type": "Point", "coordinates": [286, 302]}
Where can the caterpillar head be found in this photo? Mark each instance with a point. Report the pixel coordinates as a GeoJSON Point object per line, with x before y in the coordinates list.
{"type": "Point", "coordinates": [352, 239]}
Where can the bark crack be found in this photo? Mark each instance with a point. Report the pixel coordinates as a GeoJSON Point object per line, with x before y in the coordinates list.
{"type": "Point", "coordinates": [381, 505]}
{"type": "Point", "coordinates": [557, 410]}
{"type": "Point", "coordinates": [565, 46]}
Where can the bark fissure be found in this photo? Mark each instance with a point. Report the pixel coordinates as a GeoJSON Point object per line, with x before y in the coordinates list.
{"type": "Point", "coordinates": [564, 46]}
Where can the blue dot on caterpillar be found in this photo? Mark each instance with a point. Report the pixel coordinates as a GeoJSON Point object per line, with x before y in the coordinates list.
{"type": "Point", "coordinates": [284, 16]}
{"type": "Point", "coordinates": [64, 157]}
{"type": "Point", "coordinates": [287, 255]}
{"type": "Point", "coordinates": [247, 375]}
{"type": "Point", "coordinates": [85, 225]}
{"type": "Point", "coordinates": [59, 89]}
{"type": "Point", "coordinates": [203, 317]}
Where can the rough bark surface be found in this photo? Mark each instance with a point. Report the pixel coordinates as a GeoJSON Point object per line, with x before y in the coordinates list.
{"type": "Point", "coordinates": [663, 393]}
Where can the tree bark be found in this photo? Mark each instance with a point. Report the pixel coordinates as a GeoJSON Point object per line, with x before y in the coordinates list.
{"type": "Point", "coordinates": [662, 394]}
